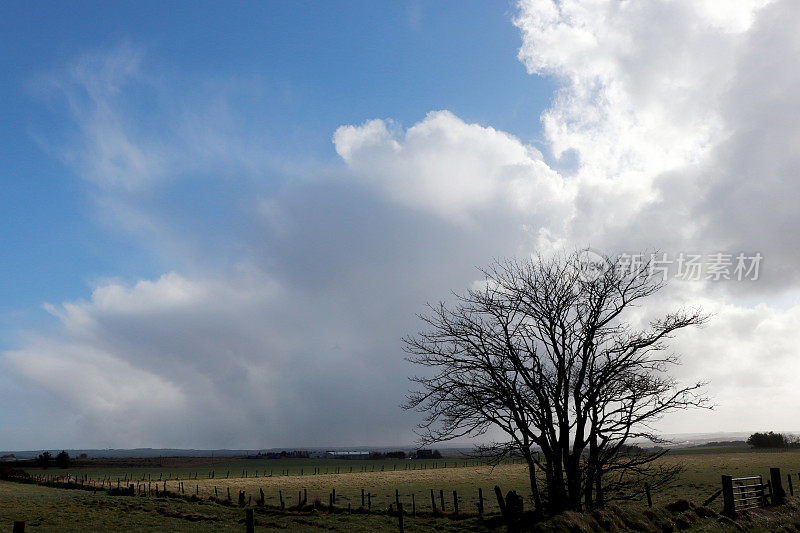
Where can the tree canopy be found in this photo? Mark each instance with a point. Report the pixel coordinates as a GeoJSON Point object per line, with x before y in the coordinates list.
{"type": "Point", "coordinates": [771, 440]}
{"type": "Point", "coordinates": [543, 353]}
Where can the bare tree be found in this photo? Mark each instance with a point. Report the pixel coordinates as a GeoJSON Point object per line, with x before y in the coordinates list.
{"type": "Point", "coordinates": [543, 353]}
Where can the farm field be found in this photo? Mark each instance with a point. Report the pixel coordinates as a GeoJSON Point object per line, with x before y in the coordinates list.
{"type": "Point", "coordinates": [236, 467]}
{"type": "Point", "coordinates": [51, 509]}
{"type": "Point", "coordinates": [700, 479]}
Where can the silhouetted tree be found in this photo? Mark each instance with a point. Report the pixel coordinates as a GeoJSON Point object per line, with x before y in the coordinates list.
{"type": "Point", "coordinates": [542, 352]}
{"type": "Point", "coordinates": [768, 440]}
{"type": "Point", "coordinates": [44, 460]}
{"type": "Point", "coordinates": [62, 459]}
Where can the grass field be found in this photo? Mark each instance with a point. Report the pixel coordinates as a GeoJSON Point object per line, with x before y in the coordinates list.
{"type": "Point", "coordinates": [50, 509]}
{"type": "Point", "coordinates": [221, 468]}
{"type": "Point", "coordinates": [700, 479]}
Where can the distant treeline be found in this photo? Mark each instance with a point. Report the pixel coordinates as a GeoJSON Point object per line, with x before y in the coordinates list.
{"type": "Point", "coordinates": [773, 440]}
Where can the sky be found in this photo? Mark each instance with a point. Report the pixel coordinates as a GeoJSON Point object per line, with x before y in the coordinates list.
{"type": "Point", "coordinates": [220, 221]}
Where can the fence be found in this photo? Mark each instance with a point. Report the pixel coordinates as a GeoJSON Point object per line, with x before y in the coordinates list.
{"type": "Point", "coordinates": [739, 494]}
{"type": "Point", "coordinates": [743, 493]}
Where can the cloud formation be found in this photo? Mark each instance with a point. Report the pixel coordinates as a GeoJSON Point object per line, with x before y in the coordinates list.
{"type": "Point", "coordinates": [283, 327]}
{"type": "Point", "coordinates": [452, 169]}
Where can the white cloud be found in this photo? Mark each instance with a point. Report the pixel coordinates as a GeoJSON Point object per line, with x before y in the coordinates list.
{"type": "Point", "coordinates": [450, 168]}
{"type": "Point", "coordinates": [745, 352]}
{"type": "Point", "coordinates": [112, 150]}
{"type": "Point", "coordinates": [642, 91]}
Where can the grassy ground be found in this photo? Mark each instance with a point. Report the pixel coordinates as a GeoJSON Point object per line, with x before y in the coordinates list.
{"type": "Point", "coordinates": [51, 509]}
{"type": "Point", "coordinates": [700, 479]}
{"type": "Point", "coordinates": [378, 479]}
{"type": "Point", "coordinates": [203, 467]}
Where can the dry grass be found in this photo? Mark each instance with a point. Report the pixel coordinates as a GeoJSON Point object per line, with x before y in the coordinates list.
{"type": "Point", "coordinates": [700, 479]}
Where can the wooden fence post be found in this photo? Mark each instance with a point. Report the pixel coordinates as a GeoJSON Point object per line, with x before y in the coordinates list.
{"type": "Point", "coordinates": [433, 502]}
{"type": "Point", "coordinates": [791, 487]}
{"type": "Point", "coordinates": [413, 506]}
{"type": "Point", "coordinates": [441, 498]}
{"type": "Point", "coordinates": [362, 498]}
{"type": "Point", "coordinates": [500, 502]}
{"type": "Point", "coordinates": [480, 501]}
{"type": "Point", "coordinates": [729, 507]}
{"type": "Point", "coordinates": [778, 494]}
{"type": "Point", "coordinates": [19, 526]}
{"type": "Point", "coordinates": [455, 503]}
{"type": "Point", "coordinates": [249, 522]}
{"type": "Point", "coordinates": [400, 516]}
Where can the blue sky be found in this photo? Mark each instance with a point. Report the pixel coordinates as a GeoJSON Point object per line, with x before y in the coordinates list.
{"type": "Point", "coordinates": [255, 199]}
{"type": "Point", "coordinates": [307, 68]}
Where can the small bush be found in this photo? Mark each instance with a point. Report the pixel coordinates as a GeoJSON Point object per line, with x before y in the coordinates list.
{"type": "Point", "coordinates": [9, 472]}
{"type": "Point", "coordinates": [679, 506]}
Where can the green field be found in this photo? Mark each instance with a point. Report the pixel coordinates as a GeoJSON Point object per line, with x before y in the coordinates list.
{"type": "Point", "coordinates": [222, 468]}
{"type": "Point", "coordinates": [413, 481]}
{"type": "Point", "coordinates": [50, 509]}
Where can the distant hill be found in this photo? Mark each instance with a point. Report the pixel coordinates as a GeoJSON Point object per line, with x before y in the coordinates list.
{"type": "Point", "coordinates": [724, 444]}
{"type": "Point", "coordinates": [719, 439]}
{"type": "Point", "coordinates": [119, 453]}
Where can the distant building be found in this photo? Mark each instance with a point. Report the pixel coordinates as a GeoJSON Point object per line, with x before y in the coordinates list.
{"type": "Point", "coordinates": [423, 454]}
{"type": "Point", "coordinates": [294, 454]}
{"type": "Point", "coordinates": [346, 455]}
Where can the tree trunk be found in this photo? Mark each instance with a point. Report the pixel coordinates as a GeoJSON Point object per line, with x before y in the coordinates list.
{"type": "Point", "coordinates": [591, 466]}
{"type": "Point", "coordinates": [537, 500]}
{"type": "Point", "coordinates": [557, 501]}
{"type": "Point", "coordinates": [574, 482]}
{"type": "Point", "coordinates": [598, 487]}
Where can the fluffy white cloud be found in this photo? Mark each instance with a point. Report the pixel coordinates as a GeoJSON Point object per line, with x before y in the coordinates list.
{"type": "Point", "coordinates": [451, 168]}
{"type": "Point", "coordinates": [643, 103]}
{"type": "Point", "coordinates": [641, 81]}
